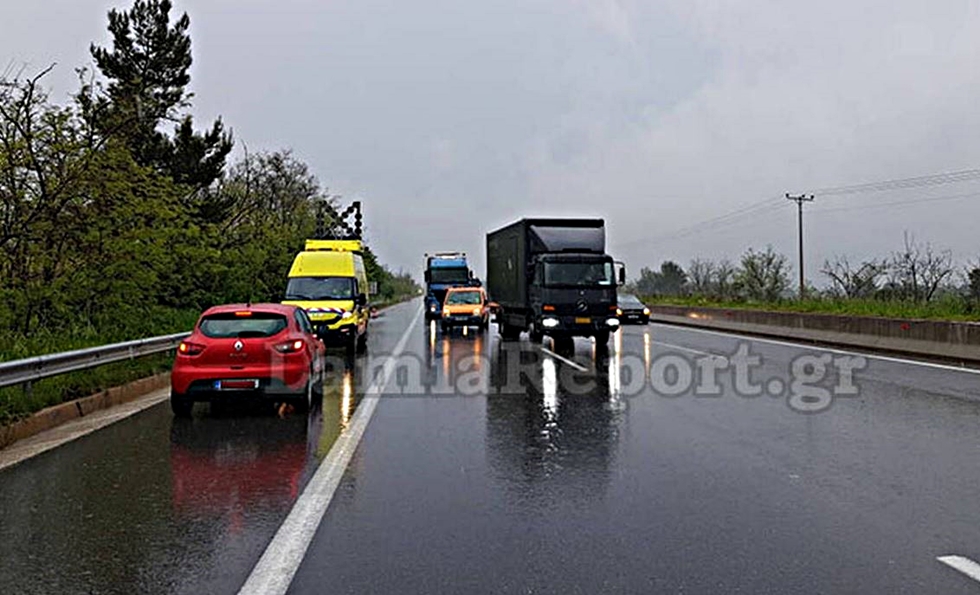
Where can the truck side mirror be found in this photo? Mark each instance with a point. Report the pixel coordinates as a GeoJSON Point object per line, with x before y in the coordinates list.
{"type": "Point", "coordinates": [622, 276]}
{"type": "Point", "coordinates": [360, 300]}
{"type": "Point", "coordinates": [427, 275]}
{"type": "Point", "coordinates": [620, 273]}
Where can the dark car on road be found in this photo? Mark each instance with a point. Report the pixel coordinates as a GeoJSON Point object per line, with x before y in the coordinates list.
{"type": "Point", "coordinates": [631, 310]}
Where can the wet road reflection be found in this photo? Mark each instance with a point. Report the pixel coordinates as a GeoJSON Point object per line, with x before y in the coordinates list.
{"type": "Point", "coordinates": [555, 437]}
{"type": "Point", "coordinates": [157, 504]}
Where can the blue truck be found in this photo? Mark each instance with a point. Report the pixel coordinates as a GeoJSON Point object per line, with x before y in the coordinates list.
{"type": "Point", "coordinates": [442, 271]}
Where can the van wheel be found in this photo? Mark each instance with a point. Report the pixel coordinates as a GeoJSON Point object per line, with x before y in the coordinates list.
{"type": "Point", "coordinates": [535, 334]}
{"type": "Point", "coordinates": [362, 343]}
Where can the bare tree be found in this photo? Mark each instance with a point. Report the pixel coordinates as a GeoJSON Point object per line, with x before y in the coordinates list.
{"type": "Point", "coordinates": [862, 282]}
{"type": "Point", "coordinates": [701, 277]}
{"type": "Point", "coordinates": [917, 271]}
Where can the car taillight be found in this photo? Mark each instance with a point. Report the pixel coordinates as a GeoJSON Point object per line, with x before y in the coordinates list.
{"type": "Point", "coordinates": [291, 347]}
{"type": "Point", "coordinates": [186, 348]}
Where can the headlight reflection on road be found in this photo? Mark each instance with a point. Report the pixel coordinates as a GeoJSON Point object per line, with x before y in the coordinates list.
{"type": "Point", "coordinates": [446, 363]}
{"type": "Point", "coordinates": [549, 384]}
{"type": "Point", "coordinates": [646, 350]}
{"type": "Point", "coordinates": [346, 399]}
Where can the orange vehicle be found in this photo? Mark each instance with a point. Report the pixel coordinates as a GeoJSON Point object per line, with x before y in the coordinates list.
{"type": "Point", "coordinates": [465, 306]}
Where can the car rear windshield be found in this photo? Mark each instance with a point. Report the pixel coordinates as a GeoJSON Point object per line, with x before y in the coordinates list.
{"type": "Point", "coordinates": [232, 325]}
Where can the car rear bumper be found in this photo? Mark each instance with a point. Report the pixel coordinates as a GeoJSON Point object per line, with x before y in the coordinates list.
{"type": "Point", "coordinates": [634, 318]}
{"type": "Point", "coordinates": [200, 383]}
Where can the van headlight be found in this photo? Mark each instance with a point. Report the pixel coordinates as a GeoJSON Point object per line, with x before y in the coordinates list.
{"type": "Point", "coordinates": [346, 315]}
{"type": "Point", "coordinates": [477, 311]}
{"type": "Point", "coordinates": [549, 322]}
{"type": "Point", "coordinates": [612, 321]}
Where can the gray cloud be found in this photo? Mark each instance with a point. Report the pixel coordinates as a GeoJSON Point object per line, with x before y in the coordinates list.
{"type": "Point", "coordinates": [449, 119]}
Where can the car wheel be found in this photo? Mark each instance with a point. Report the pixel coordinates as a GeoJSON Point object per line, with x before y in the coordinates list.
{"type": "Point", "coordinates": [181, 405]}
{"type": "Point", "coordinates": [304, 402]}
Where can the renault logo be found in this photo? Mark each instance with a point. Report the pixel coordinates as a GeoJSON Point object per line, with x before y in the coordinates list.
{"type": "Point", "coordinates": [239, 345]}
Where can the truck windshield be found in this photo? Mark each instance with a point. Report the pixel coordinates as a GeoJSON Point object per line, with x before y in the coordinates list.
{"type": "Point", "coordinates": [579, 274]}
{"type": "Point", "coordinates": [320, 288]}
{"type": "Point", "coordinates": [449, 275]}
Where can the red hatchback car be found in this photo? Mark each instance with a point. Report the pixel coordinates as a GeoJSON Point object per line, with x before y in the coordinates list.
{"type": "Point", "coordinates": [268, 350]}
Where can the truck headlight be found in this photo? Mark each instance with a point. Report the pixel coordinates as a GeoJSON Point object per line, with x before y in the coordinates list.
{"type": "Point", "coordinates": [347, 314]}
{"type": "Point", "coordinates": [549, 322]}
{"type": "Point", "coordinates": [445, 312]}
{"type": "Point", "coordinates": [477, 311]}
{"type": "Point", "coordinates": [612, 321]}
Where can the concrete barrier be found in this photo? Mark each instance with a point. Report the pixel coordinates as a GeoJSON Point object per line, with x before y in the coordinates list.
{"type": "Point", "coordinates": [927, 338]}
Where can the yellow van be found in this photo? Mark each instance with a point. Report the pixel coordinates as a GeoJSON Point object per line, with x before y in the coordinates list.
{"type": "Point", "coordinates": [329, 281]}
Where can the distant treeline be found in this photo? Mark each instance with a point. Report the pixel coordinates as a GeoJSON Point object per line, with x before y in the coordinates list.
{"type": "Point", "coordinates": [917, 273]}
{"type": "Point", "coordinates": [116, 210]}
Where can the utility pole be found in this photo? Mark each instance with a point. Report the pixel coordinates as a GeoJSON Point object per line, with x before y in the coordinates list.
{"type": "Point", "coordinates": [799, 200]}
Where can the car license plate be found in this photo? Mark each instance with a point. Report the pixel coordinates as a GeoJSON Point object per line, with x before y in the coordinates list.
{"type": "Point", "coordinates": [583, 320]}
{"type": "Point", "coordinates": [250, 384]}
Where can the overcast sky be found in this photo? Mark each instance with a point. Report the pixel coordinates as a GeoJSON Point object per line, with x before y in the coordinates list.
{"type": "Point", "coordinates": [452, 118]}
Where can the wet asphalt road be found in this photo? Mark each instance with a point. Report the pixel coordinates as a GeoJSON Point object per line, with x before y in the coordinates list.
{"type": "Point", "coordinates": [496, 467]}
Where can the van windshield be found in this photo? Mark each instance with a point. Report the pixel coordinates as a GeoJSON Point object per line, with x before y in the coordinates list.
{"type": "Point", "coordinates": [466, 298]}
{"type": "Point", "coordinates": [320, 288]}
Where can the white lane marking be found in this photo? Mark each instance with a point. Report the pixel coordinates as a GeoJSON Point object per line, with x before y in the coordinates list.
{"type": "Point", "coordinates": [281, 559]}
{"type": "Point", "coordinates": [577, 366]}
{"type": "Point", "coordinates": [962, 564]}
{"type": "Point", "coordinates": [884, 358]}
{"type": "Point", "coordinates": [682, 348]}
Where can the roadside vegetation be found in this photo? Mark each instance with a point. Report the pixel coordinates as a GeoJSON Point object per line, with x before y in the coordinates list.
{"type": "Point", "coordinates": [915, 281]}
{"type": "Point", "coordinates": [122, 218]}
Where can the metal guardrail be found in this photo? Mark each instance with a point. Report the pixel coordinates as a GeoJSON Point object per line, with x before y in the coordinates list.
{"type": "Point", "coordinates": [30, 370]}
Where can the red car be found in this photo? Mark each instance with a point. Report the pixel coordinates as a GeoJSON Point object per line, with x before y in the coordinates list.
{"type": "Point", "coordinates": [268, 350]}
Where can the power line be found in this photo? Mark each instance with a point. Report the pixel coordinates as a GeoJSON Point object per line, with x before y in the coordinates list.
{"type": "Point", "coordinates": [953, 177]}
{"type": "Point", "coordinates": [764, 207]}
{"type": "Point", "coordinates": [899, 202]}
{"type": "Point", "coordinates": [720, 221]}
